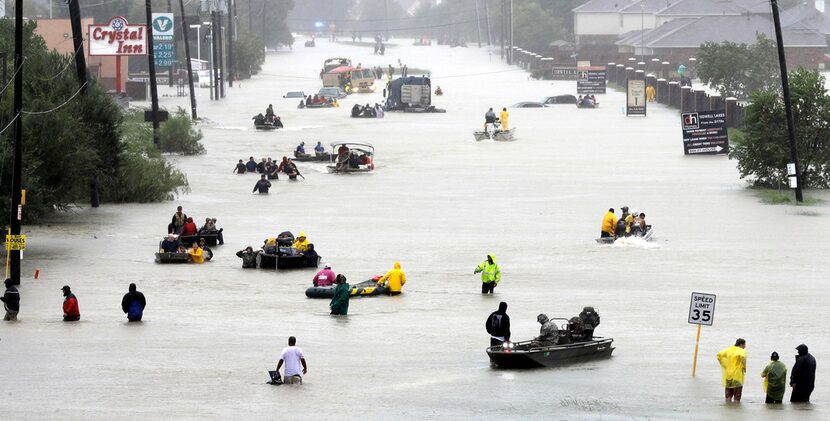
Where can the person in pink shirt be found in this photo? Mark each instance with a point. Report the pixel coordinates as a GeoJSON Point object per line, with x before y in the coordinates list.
{"type": "Point", "coordinates": [324, 277]}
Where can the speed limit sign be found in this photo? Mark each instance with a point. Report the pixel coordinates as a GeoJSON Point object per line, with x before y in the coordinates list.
{"type": "Point", "coordinates": [702, 309]}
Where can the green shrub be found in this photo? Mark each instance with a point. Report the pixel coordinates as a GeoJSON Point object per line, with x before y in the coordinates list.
{"type": "Point", "coordinates": [177, 135]}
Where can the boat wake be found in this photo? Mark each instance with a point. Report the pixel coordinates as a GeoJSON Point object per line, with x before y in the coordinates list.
{"type": "Point", "coordinates": [634, 242]}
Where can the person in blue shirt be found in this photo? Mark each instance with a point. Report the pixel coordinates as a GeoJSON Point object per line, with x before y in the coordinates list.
{"type": "Point", "coordinates": [319, 149]}
{"type": "Point", "coordinates": [301, 148]}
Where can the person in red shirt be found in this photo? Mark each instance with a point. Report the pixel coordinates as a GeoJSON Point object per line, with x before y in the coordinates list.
{"type": "Point", "coordinates": [189, 227]}
{"type": "Point", "coordinates": [71, 312]}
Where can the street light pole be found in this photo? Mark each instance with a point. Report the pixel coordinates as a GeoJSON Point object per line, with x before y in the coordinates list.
{"type": "Point", "coordinates": [785, 84]}
{"type": "Point", "coordinates": [154, 96]}
{"type": "Point", "coordinates": [185, 30]}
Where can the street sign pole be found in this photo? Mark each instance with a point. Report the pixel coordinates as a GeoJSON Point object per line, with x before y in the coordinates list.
{"type": "Point", "coordinates": [701, 312]}
{"type": "Point", "coordinates": [697, 344]}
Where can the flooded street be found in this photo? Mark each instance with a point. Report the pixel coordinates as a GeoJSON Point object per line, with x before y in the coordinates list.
{"type": "Point", "coordinates": [438, 202]}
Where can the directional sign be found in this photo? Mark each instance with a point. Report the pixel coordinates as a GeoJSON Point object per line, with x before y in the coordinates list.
{"type": "Point", "coordinates": [590, 80]}
{"type": "Point", "coordinates": [15, 242]}
{"type": "Point", "coordinates": [636, 98]}
{"type": "Point", "coordinates": [702, 309]}
{"type": "Point", "coordinates": [704, 132]}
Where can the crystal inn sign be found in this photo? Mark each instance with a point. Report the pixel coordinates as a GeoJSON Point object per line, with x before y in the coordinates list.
{"type": "Point", "coordinates": [117, 38]}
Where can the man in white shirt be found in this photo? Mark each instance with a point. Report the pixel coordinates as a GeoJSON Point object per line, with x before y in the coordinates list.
{"type": "Point", "coordinates": [293, 358]}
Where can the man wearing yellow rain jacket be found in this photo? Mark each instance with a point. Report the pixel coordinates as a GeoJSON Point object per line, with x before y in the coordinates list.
{"type": "Point", "coordinates": [490, 274]}
{"type": "Point", "coordinates": [609, 224]}
{"type": "Point", "coordinates": [394, 279]}
{"type": "Point", "coordinates": [733, 366]}
{"type": "Point", "coordinates": [503, 116]}
{"type": "Point", "coordinates": [301, 243]}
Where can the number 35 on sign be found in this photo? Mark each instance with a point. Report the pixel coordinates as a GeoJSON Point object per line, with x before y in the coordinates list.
{"type": "Point", "coordinates": [702, 309]}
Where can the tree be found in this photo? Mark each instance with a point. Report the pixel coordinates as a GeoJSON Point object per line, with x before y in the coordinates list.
{"type": "Point", "coordinates": [762, 151]}
{"type": "Point", "coordinates": [737, 70]}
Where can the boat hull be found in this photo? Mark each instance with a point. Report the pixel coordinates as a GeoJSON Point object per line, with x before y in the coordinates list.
{"type": "Point", "coordinates": [210, 239]}
{"type": "Point", "coordinates": [611, 240]}
{"type": "Point", "coordinates": [368, 288]}
{"type": "Point", "coordinates": [172, 258]}
{"type": "Point", "coordinates": [551, 356]}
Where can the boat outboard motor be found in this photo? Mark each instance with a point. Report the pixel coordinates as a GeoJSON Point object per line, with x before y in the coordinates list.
{"type": "Point", "coordinates": [621, 227]}
{"type": "Point", "coordinates": [590, 320]}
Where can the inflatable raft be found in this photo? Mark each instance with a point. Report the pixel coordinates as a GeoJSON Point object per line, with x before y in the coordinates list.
{"type": "Point", "coordinates": [364, 289]}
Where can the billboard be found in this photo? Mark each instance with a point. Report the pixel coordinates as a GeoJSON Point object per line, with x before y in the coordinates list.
{"type": "Point", "coordinates": [563, 73]}
{"type": "Point", "coordinates": [164, 49]}
{"type": "Point", "coordinates": [704, 133]}
{"type": "Point", "coordinates": [117, 38]}
{"type": "Point", "coordinates": [590, 80]}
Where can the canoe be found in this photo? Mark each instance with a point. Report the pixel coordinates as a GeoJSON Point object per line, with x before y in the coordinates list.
{"type": "Point", "coordinates": [188, 240]}
{"type": "Point", "coordinates": [368, 288]}
{"type": "Point", "coordinates": [522, 355]}
{"type": "Point", "coordinates": [172, 258]}
{"type": "Point", "coordinates": [611, 240]}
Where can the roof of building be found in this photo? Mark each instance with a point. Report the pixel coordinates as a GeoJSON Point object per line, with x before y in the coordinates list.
{"type": "Point", "coordinates": [701, 8]}
{"type": "Point", "coordinates": [691, 33]}
{"type": "Point", "coordinates": [754, 6]}
{"type": "Point", "coordinates": [603, 6]}
{"type": "Point", "coordinates": [646, 6]}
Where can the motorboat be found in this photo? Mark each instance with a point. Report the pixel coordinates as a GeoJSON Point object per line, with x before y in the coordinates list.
{"type": "Point", "coordinates": [351, 157]}
{"type": "Point", "coordinates": [646, 236]}
{"type": "Point", "coordinates": [525, 355]}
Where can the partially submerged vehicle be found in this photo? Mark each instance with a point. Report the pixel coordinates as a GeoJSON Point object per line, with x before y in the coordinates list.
{"type": "Point", "coordinates": [368, 288]}
{"type": "Point", "coordinates": [559, 99]}
{"type": "Point", "coordinates": [645, 236]}
{"type": "Point", "coordinates": [351, 157]}
{"type": "Point", "coordinates": [528, 104]}
{"type": "Point", "coordinates": [294, 94]}
{"type": "Point", "coordinates": [494, 132]}
{"type": "Point", "coordinates": [363, 80]}
{"type": "Point", "coordinates": [338, 77]}
{"type": "Point", "coordinates": [575, 342]}
{"type": "Point", "coordinates": [412, 94]}
{"type": "Point", "coordinates": [333, 63]}
{"type": "Point", "coordinates": [334, 92]}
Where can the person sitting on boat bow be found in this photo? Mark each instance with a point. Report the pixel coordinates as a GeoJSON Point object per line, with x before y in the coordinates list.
{"type": "Point", "coordinates": [319, 149]}
{"type": "Point", "coordinates": [324, 277]}
{"type": "Point", "coordinates": [548, 333]}
{"type": "Point", "coordinates": [170, 245]}
{"type": "Point", "coordinates": [300, 149]}
{"type": "Point", "coordinates": [301, 243]}
{"type": "Point", "coordinates": [269, 112]}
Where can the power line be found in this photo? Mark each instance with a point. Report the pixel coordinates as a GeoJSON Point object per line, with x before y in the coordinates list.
{"type": "Point", "coordinates": [11, 79]}
{"type": "Point", "coordinates": [10, 123]}
{"type": "Point", "coordinates": [59, 106]}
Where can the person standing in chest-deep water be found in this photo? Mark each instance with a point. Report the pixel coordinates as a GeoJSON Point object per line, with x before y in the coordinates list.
{"type": "Point", "coordinates": [11, 301]}
{"type": "Point", "coordinates": [262, 185]}
{"type": "Point", "coordinates": [803, 377]}
{"type": "Point", "coordinates": [292, 357]}
{"type": "Point", "coordinates": [490, 274]}
{"type": "Point", "coordinates": [733, 366]}
{"type": "Point", "coordinates": [498, 325]}
{"type": "Point", "coordinates": [133, 304]}
{"type": "Point", "coordinates": [340, 302]}
{"type": "Point", "coordinates": [71, 311]}
{"type": "Point", "coordinates": [775, 379]}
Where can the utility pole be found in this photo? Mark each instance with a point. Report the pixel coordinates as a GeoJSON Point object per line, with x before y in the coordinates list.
{"type": "Point", "coordinates": [478, 24]}
{"type": "Point", "coordinates": [503, 25]}
{"type": "Point", "coordinates": [16, 211]}
{"type": "Point", "coordinates": [214, 55]}
{"type": "Point", "coordinates": [78, 43]}
{"type": "Point", "coordinates": [510, 50]}
{"type": "Point", "coordinates": [487, 18]}
{"type": "Point", "coordinates": [170, 71]}
{"type": "Point", "coordinates": [785, 84]}
{"type": "Point", "coordinates": [386, 17]}
{"type": "Point", "coordinates": [230, 44]}
{"type": "Point", "coordinates": [185, 29]}
{"type": "Point", "coordinates": [154, 95]}
{"type": "Point", "coordinates": [223, 74]}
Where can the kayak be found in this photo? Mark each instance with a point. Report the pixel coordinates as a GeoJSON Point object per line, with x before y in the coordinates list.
{"type": "Point", "coordinates": [611, 240]}
{"type": "Point", "coordinates": [364, 289]}
{"type": "Point", "coordinates": [172, 258]}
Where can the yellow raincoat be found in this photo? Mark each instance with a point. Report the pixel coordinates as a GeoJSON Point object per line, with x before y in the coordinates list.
{"type": "Point", "coordinates": [396, 278]}
{"type": "Point", "coordinates": [196, 255]}
{"type": "Point", "coordinates": [271, 241]}
{"type": "Point", "coordinates": [489, 273]}
{"type": "Point", "coordinates": [301, 243]}
{"type": "Point", "coordinates": [503, 115]}
{"type": "Point", "coordinates": [733, 366]}
{"type": "Point", "coordinates": [609, 223]}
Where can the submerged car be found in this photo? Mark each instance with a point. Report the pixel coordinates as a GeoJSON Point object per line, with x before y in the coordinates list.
{"type": "Point", "coordinates": [528, 104]}
{"type": "Point", "coordinates": [559, 99]}
{"type": "Point", "coordinates": [294, 94]}
{"type": "Point", "coordinates": [332, 92]}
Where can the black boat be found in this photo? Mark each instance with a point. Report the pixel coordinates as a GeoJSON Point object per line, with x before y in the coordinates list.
{"type": "Point", "coordinates": [610, 240]}
{"type": "Point", "coordinates": [172, 258]}
{"type": "Point", "coordinates": [524, 355]}
{"type": "Point", "coordinates": [286, 258]}
{"type": "Point", "coordinates": [304, 157]}
{"type": "Point", "coordinates": [210, 239]}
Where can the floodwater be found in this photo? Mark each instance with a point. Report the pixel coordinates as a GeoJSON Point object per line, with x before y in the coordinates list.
{"type": "Point", "coordinates": [438, 202]}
